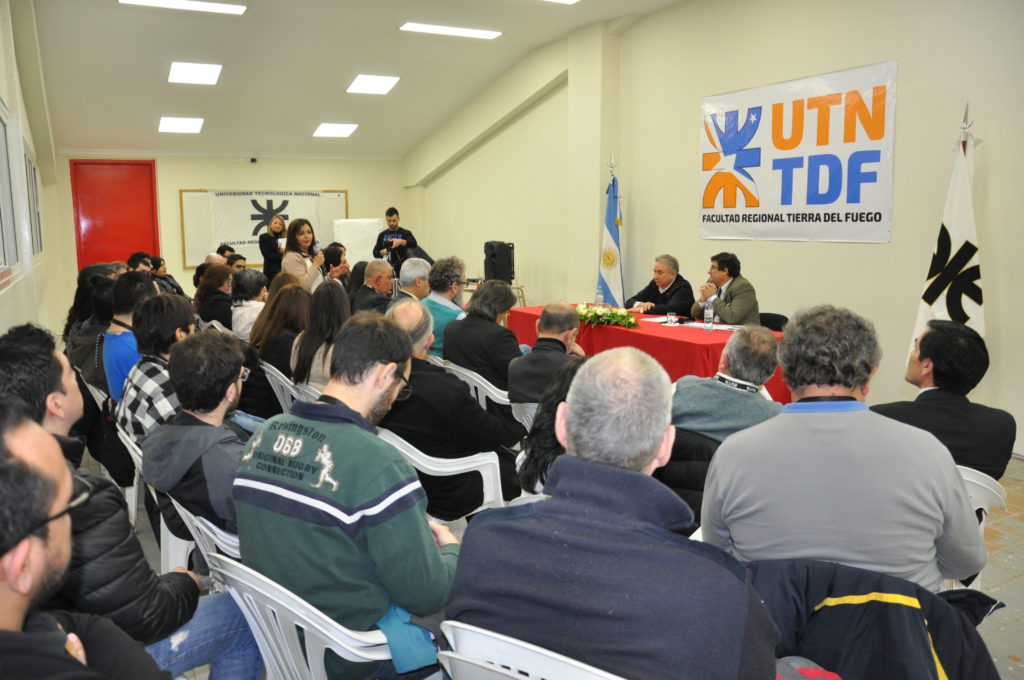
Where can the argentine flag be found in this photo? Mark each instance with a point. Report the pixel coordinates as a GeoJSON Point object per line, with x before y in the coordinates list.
{"type": "Point", "coordinates": [609, 277]}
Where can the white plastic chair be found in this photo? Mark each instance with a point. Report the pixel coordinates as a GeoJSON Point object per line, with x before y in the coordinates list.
{"type": "Point", "coordinates": [174, 551]}
{"type": "Point", "coordinates": [524, 413]}
{"type": "Point", "coordinates": [131, 493]}
{"type": "Point", "coordinates": [306, 392]}
{"type": "Point", "coordinates": [480, 388]}
{"type": "Point", "coordinates": [210, 539]}
{"type": "Point", "coordinates": [436, 360]}
{"type": "Point", "coordinates": [984, 493]}
{"type": "Point", "coordinates": [485, 463]}
{"type": "Point", "coordinates": [519, 659]}
{"type": "Point", "coordinates": [283, 388]}
{"type": "Point", "coordinates": [217, 325]}
{"type": "Point", "coordinates": [276, 615]}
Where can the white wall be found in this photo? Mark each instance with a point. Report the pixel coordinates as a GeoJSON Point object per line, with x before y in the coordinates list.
{"type": "Point", "coordinates": [949, 52]}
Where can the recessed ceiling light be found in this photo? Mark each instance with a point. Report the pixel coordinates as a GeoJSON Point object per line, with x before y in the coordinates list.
{"type": "Point", "coordinates": [194, 5]}
{"type": "Point", "coordinates": [364, 84]}
{"type": "Point", "coordinates": [449, 30]}
{"type": "Point", "coordinates": [564, 2]}
{"type": "Point", "coordinates": [195, 74]}
{"type": "Point", "coordinates": [335, 129]}
{"type": "Point", "coordinates": [171, 124]}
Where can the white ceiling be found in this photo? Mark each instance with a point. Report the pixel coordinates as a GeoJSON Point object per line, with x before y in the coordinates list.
{"type": "Point", "coordinates": [286, 67]}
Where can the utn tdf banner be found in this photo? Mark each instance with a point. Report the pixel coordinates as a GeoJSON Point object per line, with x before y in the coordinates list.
{"type": "Point", "coordinates": [804, 160]}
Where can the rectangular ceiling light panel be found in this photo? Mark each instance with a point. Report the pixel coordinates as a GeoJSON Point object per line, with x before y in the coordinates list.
{"type": "Point", "coordinates": [364, 84]}
{"type": "Point", "coordinates": [335, 129]}
{"type": "Point", "coordinates": [564, 2]}
{"type": "Point", "coordinates": [189, 125]}
{"type": "Point", "coordinates": [195, 74]}
{"type": "Point", "coordinates": [194, 5]}
{"type": "Point", "coordinates": [449, 30]}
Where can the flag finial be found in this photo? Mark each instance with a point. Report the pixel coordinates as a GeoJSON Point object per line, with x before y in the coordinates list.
{"type": "Point", "coordinates": [611, 166]}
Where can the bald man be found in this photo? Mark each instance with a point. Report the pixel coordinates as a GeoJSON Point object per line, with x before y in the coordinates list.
{"type": "Point", "coordinates": [375, 293]}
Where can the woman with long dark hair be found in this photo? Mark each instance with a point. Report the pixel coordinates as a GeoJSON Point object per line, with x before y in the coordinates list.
{"type": "Point", "coordinates": [542, 447]}
{"type": "Point", "coordinates": [279, 324]}
{"type": "Point", "coordinates": [213, 297]}
{"type": "Point", "coordinates": [165, 281]}
{"type": "Point", "coordinates": [269, 246]}
{"type": "Point", "coordinates": [312, 351]}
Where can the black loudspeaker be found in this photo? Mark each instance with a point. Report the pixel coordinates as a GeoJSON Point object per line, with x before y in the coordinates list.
{"type": "Point", "coordinates": [499, 261]}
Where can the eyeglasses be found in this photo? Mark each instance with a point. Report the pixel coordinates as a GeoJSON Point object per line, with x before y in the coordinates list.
{"type": "Point", "coordinates": [405, 391]}
{"type": "Point", "coordinates": [245, 373]}
{"type": "Point", "coordinates": [82, 494]}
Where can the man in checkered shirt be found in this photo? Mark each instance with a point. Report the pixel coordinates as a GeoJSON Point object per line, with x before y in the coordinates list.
{"type": "Point", "coordinates": [149, 398]}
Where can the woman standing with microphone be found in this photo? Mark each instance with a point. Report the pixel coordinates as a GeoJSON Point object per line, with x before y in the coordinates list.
{"type": "Point", "coordinates": [302, 258]}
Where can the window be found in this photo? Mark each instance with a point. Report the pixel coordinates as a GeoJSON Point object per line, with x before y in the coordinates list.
{"type": "Point", "coordinates": [35, 217]}
{"type": "Point", "coordinates": [8, 231]}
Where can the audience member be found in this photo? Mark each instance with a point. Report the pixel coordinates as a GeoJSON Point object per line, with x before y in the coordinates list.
{"type": "Point", "coordinates": [248, 298]}
{"type": "Point", "coordinates": [948, 361]}
{"type": "Point", "coordinates": [440, 418]}
{"type": "Point", "coordinates": [375, 293]}
{"type": "Point", "coordinates": [667, 292]}
{"type": "Point", "coordinates": [108, 573]}
{"type": "Point", "coordinates": [140, 262]}
{"type": "Point", "coordinates": [552, 573]}
{"type": "Point", "coordinates": [480, 342]}
{"type": "Point", "coordinates": [302, 258]}
{"type": "Point", "coordinates": [530, 374]}
{"type": "Point", "coordinates": [733, 400]}
{"type": "Point", "coordinates": [279, 282]}
{"type": "Point", "coordinates": [731, 296]}
{"type": "Point", "coordinates": [149, 399]}
{"type": "Point", "coordinates": [36, 495]}
{"type": "Point", "coordinates": [81, 308]}
{"type": "Point", "coordinates": [542, 446]}
{"type": "Point", "coordinates": [213, 297]}
{"type": "Point", "coordinates": [827, 479]}
{"type": "Point", "coordinates": [303, 477]}
{"type": "Point", "coordinates": [193, 457]}
{"type": "Point", "coordinates": [164, 281]}
{"type": "Point", "coordinates": [356, 278]}
{"type": "Point", "coordinates": [414, 279]}
{"type": "Point", "coordinates": [237, 262]}
{"type": "Point", "coordinates": [271, 248]}
{"type": "Point", "coordinates": [85, 346]}
{"type": "Point", "coordinates": [447, 280]}
{"type": "Point", "coordinates": [335, 256]}
{"type": "Point", "coordinates": [393, 243]}
{"type": "Point", "coordinates": [277, 326]}
{"type": "Point", "coordinates": [225, 251]}
{"type": "Point", "coordinates": [119, 350]}
{"type": "Point", "coordinates": [311, 352]}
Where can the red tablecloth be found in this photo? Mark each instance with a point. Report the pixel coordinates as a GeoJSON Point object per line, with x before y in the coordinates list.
{"type": "Point", "coordinates": [681, 350]}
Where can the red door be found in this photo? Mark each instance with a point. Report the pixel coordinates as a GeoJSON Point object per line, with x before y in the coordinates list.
{"type": "Point", "coordinates": [115, 209]}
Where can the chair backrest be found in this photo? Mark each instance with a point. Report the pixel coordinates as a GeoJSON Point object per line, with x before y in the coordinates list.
{"type": "Point", "coordinates": [217, 325]}
{"type": "Point", "coordinates": [306, 392]}
{"type": "Point", "coordinates": [984, 491]}
{"type": "Point", "coordinates": [283, 388]}
{"type": "Point", "coordinates": [521, 659]}
{"type": "Point", "coordinates": [133, 449]}
{"type": "Point", "coordinates": [98, 395]}
{"type": "Point", "coordinates": [775, 322]}
{"type": "Point", "coordinates": [484, 463]}
{"type": "Point", "coordinates": [210, 538]}
{"type": "Point", "coordinates": [524, 413]}
{"type": "Point", "coordinates": [460, 667]}
{"type": "Point", "coordinates": [436, 360]}
{"type": "Point", "coordinates": [478, 386]}
{"type": "Point", "coordinates": [276, 616]}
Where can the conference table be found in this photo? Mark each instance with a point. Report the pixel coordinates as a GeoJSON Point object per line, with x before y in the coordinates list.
{"type": "Point", "coordinates": [681, 350]}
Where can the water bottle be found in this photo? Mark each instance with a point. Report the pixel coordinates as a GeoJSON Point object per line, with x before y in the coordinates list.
{"type": "Point", "coordinates": [599, 298]}
{"type": "Point", "coordinates": [709, 317]}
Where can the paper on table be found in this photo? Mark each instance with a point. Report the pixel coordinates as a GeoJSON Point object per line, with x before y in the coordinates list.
{"type": "Point", "coordinates": [718, 326]}
{"type": "Point", "coordinates": [655, 319]}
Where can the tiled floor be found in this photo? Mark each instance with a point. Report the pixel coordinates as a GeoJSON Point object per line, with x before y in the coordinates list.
{"type": "Point", "coordinates": [1003, 577]}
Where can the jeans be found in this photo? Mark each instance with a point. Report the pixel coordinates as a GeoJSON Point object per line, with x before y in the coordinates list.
{"type": "Point", "coordinates": [247, 422]}
{"type": "Point", "coordinates": [217, 634]}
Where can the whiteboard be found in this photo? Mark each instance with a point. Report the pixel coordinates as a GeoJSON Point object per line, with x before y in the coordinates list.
{"type": "Point", "coordinates": [359, 236]}
{"type": "Point", "coordinates": [197, 227]}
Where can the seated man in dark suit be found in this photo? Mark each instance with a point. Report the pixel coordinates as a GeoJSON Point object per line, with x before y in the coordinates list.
{"type": "Point", "coordinates": [667, 292]}
{"type": "Point", "coordinates": [479, 342]}
{"type": "Point", "coordinates": [530, 374]}
{"type": "Point", "coordinates": [375, 293]}
{"type": "Point", "coordinates": [948, 360]}
{"type": "Point", "coordinates": [442, 419]}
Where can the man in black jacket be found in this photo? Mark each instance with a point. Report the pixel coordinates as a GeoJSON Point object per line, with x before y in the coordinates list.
{"type": "Point", "coordinates": [108, 574]}
{"type": "Point", "coordinates": [375, 293]}
{"type": "Point", "coordinates": [442, 419]}
{"type": "Point", "coordinates": [949, 359]}
{"type": "Point", "coordinates": [393, 243]}
{"type": "Point", "coordinates": [667, 292]}
{"type": "Point", "coordinates": [36, 495]}
{"type": "Point", "coordinates": [530, 374]}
